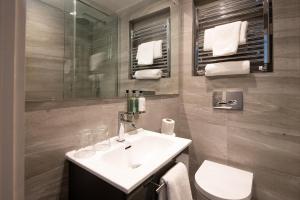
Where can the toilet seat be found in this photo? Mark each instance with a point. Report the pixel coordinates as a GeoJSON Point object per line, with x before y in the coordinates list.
{"type": "Point", "coordinates": [220, 182]}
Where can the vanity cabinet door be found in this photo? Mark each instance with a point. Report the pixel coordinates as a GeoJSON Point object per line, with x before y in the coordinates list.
{"type": "Point", "coordinates": [85, 186]}
{"type": "Point", "coordinates": [144, 192]}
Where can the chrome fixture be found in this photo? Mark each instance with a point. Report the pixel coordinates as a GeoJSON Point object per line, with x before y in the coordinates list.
{"type": "Point", "coordinates": [229, 100]}
{"type": "Point", "coordinates": [123, 119]}
{"type": "Point", "coordinates": [159, 186]}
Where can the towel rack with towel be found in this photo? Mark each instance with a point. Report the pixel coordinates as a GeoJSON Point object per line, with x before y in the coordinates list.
{"type": "Point", "coordinates": [153, 27]}
{"type": "Point", "coordinates": [258, 48]}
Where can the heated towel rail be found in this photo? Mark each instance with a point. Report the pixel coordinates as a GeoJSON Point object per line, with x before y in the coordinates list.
{"type": "Point", "coordinates": [258, 48]}
{"type": "Point", "coordinates": [150, 32]}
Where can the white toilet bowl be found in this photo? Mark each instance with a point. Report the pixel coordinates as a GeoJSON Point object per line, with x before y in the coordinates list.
{"type": "Point", "coordinates": [220, 182]}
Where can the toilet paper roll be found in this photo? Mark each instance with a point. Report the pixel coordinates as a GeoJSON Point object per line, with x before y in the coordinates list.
{"type": "Point", "coordinates": [167, 126]}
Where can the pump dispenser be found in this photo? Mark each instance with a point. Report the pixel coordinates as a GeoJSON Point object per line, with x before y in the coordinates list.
{"type": "Point", "coordinates": [134, 104]}
{"type": "Point", "coordinates": [127, 95]}
{"type": "Point", "coordinates": [142, 102]}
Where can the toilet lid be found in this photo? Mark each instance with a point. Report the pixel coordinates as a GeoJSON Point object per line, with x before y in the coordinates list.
{"type": "Point", "coordinates": [221, 182]}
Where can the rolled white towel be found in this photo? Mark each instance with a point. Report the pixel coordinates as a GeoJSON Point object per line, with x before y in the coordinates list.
{"type": "Point", "coordinates": [148, 74]}
{"type": "Point", "coordinates": [228, 68]}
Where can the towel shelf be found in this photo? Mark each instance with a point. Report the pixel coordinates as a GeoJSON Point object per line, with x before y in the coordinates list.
{"type": "Point", "coordinates": [258, 48]}
{"type": "Point", "coordinates": [155, 26]}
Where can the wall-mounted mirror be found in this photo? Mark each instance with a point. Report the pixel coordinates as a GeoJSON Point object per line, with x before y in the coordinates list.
{"type": "Point", "coordinates": [78, 49]}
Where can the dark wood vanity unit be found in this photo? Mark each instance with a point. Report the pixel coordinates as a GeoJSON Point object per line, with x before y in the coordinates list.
{"type": "Point", "coordinates": [84, 185]}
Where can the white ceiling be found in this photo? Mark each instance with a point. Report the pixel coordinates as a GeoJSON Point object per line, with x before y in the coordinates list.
{"type": "Point", "coordinates": [117, 5]}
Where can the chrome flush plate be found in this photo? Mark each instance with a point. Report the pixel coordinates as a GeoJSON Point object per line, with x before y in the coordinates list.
{"type": "Point", "coordinates": [228, 100]}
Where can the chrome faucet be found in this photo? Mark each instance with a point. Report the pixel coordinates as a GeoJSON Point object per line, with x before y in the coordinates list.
{"type": "Point", "coordinates": [124, 118]}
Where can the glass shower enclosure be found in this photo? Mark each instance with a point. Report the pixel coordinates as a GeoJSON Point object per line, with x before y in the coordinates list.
{"type": "Point", "coordinates": [91, 47]}
{"type": "Point", "coordinates": [71, 51]}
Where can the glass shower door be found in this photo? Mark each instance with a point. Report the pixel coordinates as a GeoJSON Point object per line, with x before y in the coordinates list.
{"type": "Point", "coordinates": [91, 42]}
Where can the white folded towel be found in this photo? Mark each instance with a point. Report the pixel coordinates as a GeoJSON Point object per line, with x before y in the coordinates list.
{"type": "Point", "coordinates": [145, 53]}
{"type": "Point", "coordinates": [96, 60]}
{"type": "Point", "coordinates": [226, 39]}
{"type": "Point", "coordinates": [228, 68]}
{"type": "Point", "coordinates": [208, 39]}
{"type": "Point", "coordinates": [209, 36]}
{"type": "Point", "coordinates": [243, 33]}
{"type": "Point", "coordinates": [148, 74]}
{"type": "Point", "coordinates": [177, 184]}
{"type": "Point", "coordinates": [157, 49]}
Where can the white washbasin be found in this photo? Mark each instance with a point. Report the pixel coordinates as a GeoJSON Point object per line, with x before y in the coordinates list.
{"type": "Point", "coordinates": [126, 165]}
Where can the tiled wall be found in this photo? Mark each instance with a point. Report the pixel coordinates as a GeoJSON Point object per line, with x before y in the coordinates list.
{"type": "Point", "coordinates": [265, 137]}
{"type": "Point", "coordinates": [44, 51]}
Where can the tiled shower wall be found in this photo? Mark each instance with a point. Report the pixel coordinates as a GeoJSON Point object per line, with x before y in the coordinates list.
{"type": "Point", "coordinates": [265, 137]}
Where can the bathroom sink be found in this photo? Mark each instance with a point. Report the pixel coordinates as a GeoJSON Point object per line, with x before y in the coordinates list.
{"type": "Point", "coordinates": [136, 152]}
{"type": "Point", "coordinates": [126, 165]}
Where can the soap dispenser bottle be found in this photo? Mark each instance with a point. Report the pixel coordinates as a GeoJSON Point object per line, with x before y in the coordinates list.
{"type": "Point", "coordinates": [142, 102]}
{"type": "Point", "coordinates": [134, 103]}
{"type": "Point", "coordinates": [127, 95]}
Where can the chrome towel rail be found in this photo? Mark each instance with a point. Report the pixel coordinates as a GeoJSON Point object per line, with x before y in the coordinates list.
{"type": "Point", "coordinates": [258, 48]}
{"type": "Point", "coordinates": [159, 186]}
{"type": "Point", "coordinates": [152, 31]}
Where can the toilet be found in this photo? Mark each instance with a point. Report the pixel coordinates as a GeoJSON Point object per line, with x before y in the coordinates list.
{"type": "Point", "coordinates": [215, 181]}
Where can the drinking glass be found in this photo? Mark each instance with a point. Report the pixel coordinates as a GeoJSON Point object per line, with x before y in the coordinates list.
{"type": "Point", "coordinates": [86, 144]}
{"type": "Point", "coordinates": [102, 138]}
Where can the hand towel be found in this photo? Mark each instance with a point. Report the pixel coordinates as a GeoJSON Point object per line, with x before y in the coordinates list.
{"type": "Point", "coordinates": [177, 184]}
{"type": "Point", "coordinates": [148, 74]}
{"type": "Point", "coordinates": [228, 68]}
{"type": "Point", "coordinates": [226, 39]}
{"type": "Point", "coordinates": [243, 33]}
{"type": "Point", "coordinates": [157, 49]}
{"type": "Point", "coordinates": [96, 60]}
{"type": "Point", "coordinates": [145, 53]}
{"type": "Point", "coordinates": [208, 39]}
